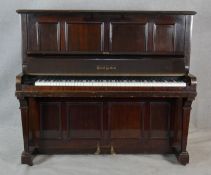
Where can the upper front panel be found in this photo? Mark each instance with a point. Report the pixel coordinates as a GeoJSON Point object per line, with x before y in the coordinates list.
{"type": "Point", "coordinates": [63, 43]}
{"type": "Point", "coordinates": [105, 34]}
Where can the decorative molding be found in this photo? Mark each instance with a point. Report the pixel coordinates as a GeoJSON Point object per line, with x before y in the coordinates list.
{"type": "Point", "coordinates": [23, 102]}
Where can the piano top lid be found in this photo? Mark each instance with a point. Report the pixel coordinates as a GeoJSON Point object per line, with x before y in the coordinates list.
{"type": "Point", "coordinates": [106, 11]}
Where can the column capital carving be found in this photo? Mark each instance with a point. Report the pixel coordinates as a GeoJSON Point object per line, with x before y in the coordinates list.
{"type": "Point", "coordinates": [23, 102]}
{"type": "Point", "coordinates": [188, 102]}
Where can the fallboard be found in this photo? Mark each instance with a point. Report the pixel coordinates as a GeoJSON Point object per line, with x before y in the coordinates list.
{"type": "Point", "coordinates": [106, 67]}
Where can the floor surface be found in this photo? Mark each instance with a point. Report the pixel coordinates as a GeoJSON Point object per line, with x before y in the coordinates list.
{"type": "Point", "coordinates": [199, 148]}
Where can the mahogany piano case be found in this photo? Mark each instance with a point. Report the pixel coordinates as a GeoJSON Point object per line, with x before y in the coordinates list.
{"type": "Point", "coordinates": [86, 48]}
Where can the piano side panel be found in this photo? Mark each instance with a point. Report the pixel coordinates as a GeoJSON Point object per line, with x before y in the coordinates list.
{"type": "Point", "coordinates": [188, 36]}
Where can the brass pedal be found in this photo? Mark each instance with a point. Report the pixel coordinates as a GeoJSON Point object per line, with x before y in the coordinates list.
{"type": "Point", "coordinates": [97, 152]}
{"type": "Point", "coordinates": [112, 150]}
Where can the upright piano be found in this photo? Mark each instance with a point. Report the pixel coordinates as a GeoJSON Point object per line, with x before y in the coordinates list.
{"type": "Point", "coordinates": [105, 82]}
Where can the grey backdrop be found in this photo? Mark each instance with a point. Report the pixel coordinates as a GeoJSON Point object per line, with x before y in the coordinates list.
{"type": "Point", "coordinates": [10, 66]}
{"type": "Point", "coordinates": [10, 57]}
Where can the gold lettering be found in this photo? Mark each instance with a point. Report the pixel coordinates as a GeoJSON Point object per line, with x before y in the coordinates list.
{"type": "Point", "coordinates": [106, 67]}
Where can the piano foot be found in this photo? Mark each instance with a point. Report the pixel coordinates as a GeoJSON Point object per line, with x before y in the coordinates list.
{"type": "Point", "coordinates": [26, 158]}
{"type": "Point", "coordinates": [183, 158]}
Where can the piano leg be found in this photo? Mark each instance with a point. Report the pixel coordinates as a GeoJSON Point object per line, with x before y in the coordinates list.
{"type": "Point", "coordinates": [183, 156]}
{"type": "Point", "coordinates": [26, 157]}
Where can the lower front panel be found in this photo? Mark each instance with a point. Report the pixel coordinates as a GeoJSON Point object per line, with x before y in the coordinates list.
{"type": "Point", "coordinates": [67, 125]}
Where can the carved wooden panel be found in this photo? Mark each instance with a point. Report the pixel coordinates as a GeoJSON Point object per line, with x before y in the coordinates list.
{"type": "Point", "coordinates": [44, 34]}
{"type": "Point", "coordinates": [126, 119]}
{"type": "Point", "coordinates": [84, 36]}
{"type": "Point", "coordinates": [49, 36]}
{"type": "Point", "coordinates": [128, 37]}
{"type": "Point", "coordinates": [84, 120]}
{"type": "Point", "coordinates": [168, 34]}
{"type": "Point", "coordinates": [147, 35]}
{"type": "Point", "coordinates": [50, 120]}
{"type": "Point", "coordinates": [164, 38]}
{"type": "Point", "coordinates": [159, 119]}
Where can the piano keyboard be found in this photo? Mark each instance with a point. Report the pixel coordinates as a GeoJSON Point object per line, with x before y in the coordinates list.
{"type": "Point", "coordinates": [110, 83]}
